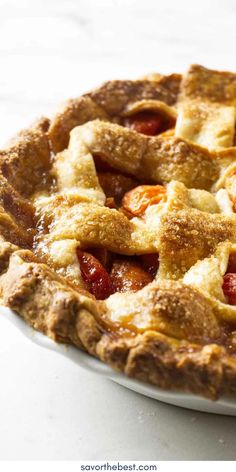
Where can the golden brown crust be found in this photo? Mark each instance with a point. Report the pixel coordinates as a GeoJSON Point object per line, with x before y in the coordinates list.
{"type": "Point", "coordinates": [75, 112]}
{"type": "Point", "coordinates": [189, 235]}
{"type": "Point", "coordinates": [16, 205]}
{"type": "Point", "coordinates": [41, 297]}
{"type": "Point", "coordinates": [175, 332]}
{"type": "Point", "coordinates": [210, 85]}
{"type": "Point", "coordinates": [168, 307]}
{"type": "Point", "coordinates": [108, 102]}
{"type": "Point", "coordinates": [170, 364]}
{"type": "Point", "coordinates": [46, 303]}
{"type": "Point", "coordinates": [17, 216]}
{"type": "Point", "coordinates": [26, 162]}
{"type": "Point", "coordinates": [114, 96]}
{"type": "Point", "coordinates": [151, 158]}
{"type": "Point", "coordinates": [206, 108]}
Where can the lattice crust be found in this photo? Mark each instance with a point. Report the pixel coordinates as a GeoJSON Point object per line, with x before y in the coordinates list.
{"type": "Point", "coordinates": [109, 102]}
{"type": "Point", "coordinates": [178, 331]}
{"type": "Point", "coordinates": [207, 108]}
{"type": "Point", "coordinates": [159, 159]}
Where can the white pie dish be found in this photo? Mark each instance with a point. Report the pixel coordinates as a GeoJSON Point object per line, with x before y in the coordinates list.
{"type": "Point", "coordinates": [224, 406]}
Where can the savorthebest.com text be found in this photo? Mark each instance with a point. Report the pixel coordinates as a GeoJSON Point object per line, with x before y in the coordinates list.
{"type": "Point", "coordinates": [118, 467]}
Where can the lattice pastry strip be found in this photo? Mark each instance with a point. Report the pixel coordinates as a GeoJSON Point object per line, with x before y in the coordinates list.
{"type": "Point", "coordinates": [157, 159]}
{"type": "Point", "coordinates": [110, 102]}
{"type": "Point", "coordinates": [206, 109]}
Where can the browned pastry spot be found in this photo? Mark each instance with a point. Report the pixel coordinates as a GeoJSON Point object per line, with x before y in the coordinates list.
{"type": "Point", "coordinates": [26, 162]}
{"type": "Point", "coordinates": [16, 205]}
{"type": "Point", "coordinates": [187, 236]}
{"type": "Point", "coordinates": [6, 250]}
{"type": "Point", "coordinates": [209, 84]}
{"type": "Point", "coordinates": [17, 216]}
{"type": "Point", "coordinates": [181, 160]}
{"type": "Point", "coordinates": [114, 96]}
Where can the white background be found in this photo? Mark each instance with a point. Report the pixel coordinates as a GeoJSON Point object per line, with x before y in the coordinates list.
{"type": "Point", "coordinates": [51, 50]}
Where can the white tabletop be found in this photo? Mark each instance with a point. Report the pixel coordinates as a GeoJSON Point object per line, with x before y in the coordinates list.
{"type": "Point", "coordinates": [51, 50]}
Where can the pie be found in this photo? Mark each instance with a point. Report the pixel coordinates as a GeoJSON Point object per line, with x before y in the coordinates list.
{"type": "Point", "coordinates": [118, 228]}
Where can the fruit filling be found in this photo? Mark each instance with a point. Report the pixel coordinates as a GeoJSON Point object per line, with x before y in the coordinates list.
{"type": "Point", "coordinates": [95, 275]}
{"type": "Point", "coordinates": [230, 185]}
{"type": "Point", "coordinates": [229, 288]}
{"type": "Point", "coordinates": [104, 272]}
{"type": "Point", "coordinates": [115, 184]}
{"type": "Point", "coordinates": [149, 123]}
{"type": "Point", "coordinates": [128, 275]}
{"type": "Point", "coordinates": [108, 273]}
{"type": "Point", "coordinates": [137, 200]}
{"type": "Point", "coordinates": [150, 262]}
{"type": "Point", "coordinates": [229, 284]}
